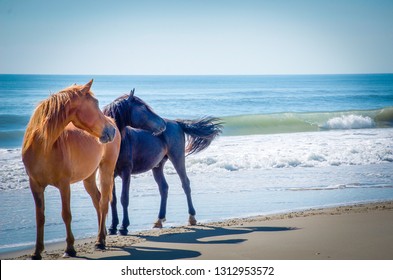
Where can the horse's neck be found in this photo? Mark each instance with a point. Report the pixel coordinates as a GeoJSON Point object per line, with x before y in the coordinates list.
{"type": "Point", "coordinates": [52, 136]}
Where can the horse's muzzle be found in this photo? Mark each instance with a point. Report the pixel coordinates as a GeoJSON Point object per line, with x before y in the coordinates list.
{"type": "Point", "coordinates": [108, 134]}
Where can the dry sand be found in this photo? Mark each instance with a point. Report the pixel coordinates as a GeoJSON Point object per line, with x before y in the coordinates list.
{"type": "Point", "coordinates": [349, 232]}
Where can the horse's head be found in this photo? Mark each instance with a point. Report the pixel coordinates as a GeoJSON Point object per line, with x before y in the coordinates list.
{"type": "Point", "coordinates": [86, 115]}
{"type": "Point", "coordinates": [129, 110]}
{"type": "Point", "coordinates": [143, 116]}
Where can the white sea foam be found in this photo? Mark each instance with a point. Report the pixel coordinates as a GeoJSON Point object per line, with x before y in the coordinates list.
{"type": "Point", "coordinates": [314, 149]}
{"type": "Point", "coordinates": [349, 122]}
{"type": "Point", "coordinates": [12, 171]}
{"type": "Point", "coordinates": [253, 152]}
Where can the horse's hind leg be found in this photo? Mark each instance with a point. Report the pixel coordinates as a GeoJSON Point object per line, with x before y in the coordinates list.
{"type": "Point", "coordinates": [180, 166]}
{"type": "Point", "coordinates": [67, 217]}
{"type": "Point", "coordinates": [158, 173]}
{"type": "Point", "coordinates": [38, 194]}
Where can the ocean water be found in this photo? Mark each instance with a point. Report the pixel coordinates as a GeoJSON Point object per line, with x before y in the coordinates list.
{"type": "Point", "coordinates": [289, 143]}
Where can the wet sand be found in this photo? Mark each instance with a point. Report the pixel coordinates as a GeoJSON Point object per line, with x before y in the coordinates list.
{"type": "Point", "coordinates": [353, 232]}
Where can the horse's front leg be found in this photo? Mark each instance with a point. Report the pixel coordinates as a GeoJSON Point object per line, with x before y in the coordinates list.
{"type": "Point", "coordinates": [38, 194]}
{"type": "Point", "coordinates": [115, 218]}
{"type": "Point", "coordinates": [95, 195]}
{"type": "Point", "coordinates": [67, 217]}
{"type": "Point", "coordinates": [106, 183]}
{"type": "Point", "coordinates": [125, 192]}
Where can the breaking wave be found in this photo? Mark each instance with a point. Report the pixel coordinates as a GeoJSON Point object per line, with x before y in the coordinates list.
{"type": "Point", "coordinates": [306, 122]}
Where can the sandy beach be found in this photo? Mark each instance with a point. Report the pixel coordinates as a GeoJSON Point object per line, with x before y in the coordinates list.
{"type": "Point", "coordinates": [354, 232]}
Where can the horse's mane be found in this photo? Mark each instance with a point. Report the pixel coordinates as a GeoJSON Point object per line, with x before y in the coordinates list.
{"type": "Point", "coordinates": [120, 111]}
{"type": "Point", "coordinates": [48, 116]}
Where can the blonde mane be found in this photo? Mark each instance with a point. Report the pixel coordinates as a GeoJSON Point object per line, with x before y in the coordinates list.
{"type": "Point", "coordinates": [47, 118]}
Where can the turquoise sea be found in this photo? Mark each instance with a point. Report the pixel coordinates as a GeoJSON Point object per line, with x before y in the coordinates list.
{"type": "Point", "coordinates": [289, 142]}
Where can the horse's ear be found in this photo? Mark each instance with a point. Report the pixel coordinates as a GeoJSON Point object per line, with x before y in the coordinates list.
{"type": "Point", "coordinates": [86, 87]}
{"type": "Point", "coordinates": [131, 94]}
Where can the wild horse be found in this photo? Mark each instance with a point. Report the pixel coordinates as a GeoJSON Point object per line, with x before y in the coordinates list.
{"type": "Point", "coordinates": [147, 142]}
{"type": "Point", "coordinates": [67, 140]}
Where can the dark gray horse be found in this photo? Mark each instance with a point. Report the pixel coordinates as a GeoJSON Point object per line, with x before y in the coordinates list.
{"type": "Point", "coordinates": [148, 141]}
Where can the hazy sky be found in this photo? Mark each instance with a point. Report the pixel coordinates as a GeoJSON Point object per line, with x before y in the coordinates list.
{"type": "Point", "coordinates": [196, 36]}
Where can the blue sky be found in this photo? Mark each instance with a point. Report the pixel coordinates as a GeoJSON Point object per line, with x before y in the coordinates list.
{"type": "Point", "coordinates": [196, 37]}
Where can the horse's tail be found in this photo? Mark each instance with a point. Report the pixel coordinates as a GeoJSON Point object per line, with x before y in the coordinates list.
{"type": "Point", "coordinates": [200, 133]}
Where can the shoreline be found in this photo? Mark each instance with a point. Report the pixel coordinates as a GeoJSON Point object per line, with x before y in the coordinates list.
{"type": "Point", "coordinates": [363, 229]}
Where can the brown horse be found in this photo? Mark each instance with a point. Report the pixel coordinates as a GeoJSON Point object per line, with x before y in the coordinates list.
{"type": "Point", "coordinates": [67, 140]}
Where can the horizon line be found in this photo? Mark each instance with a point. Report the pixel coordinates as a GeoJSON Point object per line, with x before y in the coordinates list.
{"type": "Point", "coordinates": [282, 74]}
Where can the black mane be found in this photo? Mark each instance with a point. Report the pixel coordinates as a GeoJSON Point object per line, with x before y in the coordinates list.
{"type": "Point", "coordinates": [120, 109]}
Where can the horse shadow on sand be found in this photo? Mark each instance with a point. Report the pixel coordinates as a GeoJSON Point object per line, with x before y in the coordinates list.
{"type": "Point", "coordinates": [198, 235]}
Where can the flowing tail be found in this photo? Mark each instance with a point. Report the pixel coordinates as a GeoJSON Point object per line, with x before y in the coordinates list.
{"type": "Point", "coordinates": [200, 133]}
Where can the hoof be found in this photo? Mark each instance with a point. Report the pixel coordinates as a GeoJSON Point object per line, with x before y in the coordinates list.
{"type": "Point", "coordinates": [123, 231]}
{"type": "Point", "coordinates": [112, 231]}
{"type": "Point", "coordinates": [36, 257]}
{"type": "Point", "coordinates": [192, 221]}
{"type": "Point", "coordinates": [69, 253]}
{"type": "Point", "coordinates": [159, 223]}
{"type": "Point", "coordinates": [99, 246]}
